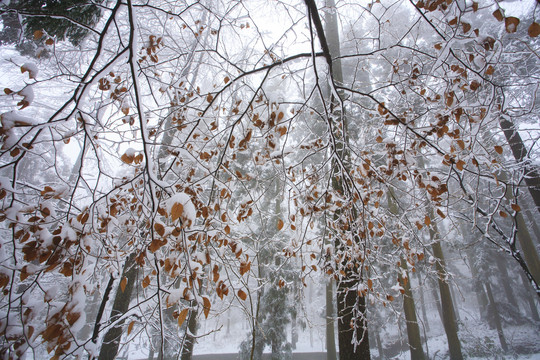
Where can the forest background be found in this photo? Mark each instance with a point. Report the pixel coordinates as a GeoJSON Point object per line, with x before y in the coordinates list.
{"type": "Point", "coordinates": [366, 171]}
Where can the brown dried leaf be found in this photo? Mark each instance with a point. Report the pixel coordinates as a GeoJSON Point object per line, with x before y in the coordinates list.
{"type": "Point", "coordinates": [534, 29]}
{"type": "Point", "coordinates": [130, 327]}
{"type": "Point", "coordinates": [382, 109]}
{"type": "Point", "coordinates": [466, 27]}
{"type": "Point", "coordinates": [511, 23]}
{"type": "Point", "coordinates": [427, 220]}
{"type": "Point", "coordinates": [206, 306]}
{"type": "Point", "coordinates": [280, 224]}
{"type": "Point", "coordinates": [123, 283]}
{"type": "Point", "coordinates": [182, 316]}
{"type": "Point", "coordinates": [498, 15]}
{"type": "Point", "coordinates": [498, 149]}
{"type": "Point", "coordinates": [38, 34]}
{"type": "Point", "coordinates": [176, 211]}
{"type": "Point", "coordinates": [160, 229]}
{"type": "Point", "coordinates": [128, 159]}
{"type": "Point", "coordinates": [516, 207]}
{"type": "Point", "coordinates": [146, 282]}
{"type": "Point", "coordinates": [242, 295]}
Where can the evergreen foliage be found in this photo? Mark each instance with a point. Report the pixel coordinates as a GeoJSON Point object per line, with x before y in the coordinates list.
{"type": "Point", "coordinates": [23, 20]}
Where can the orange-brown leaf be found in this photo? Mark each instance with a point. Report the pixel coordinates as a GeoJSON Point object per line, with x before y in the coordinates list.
{"type": "Point", "coordinates": [146, 282]}
{"type": "Point", "coordinates": [242, 295]}
{"type": "Point", "coordinates": [176, 211]}
{"type": "Point", "coordinates": [128, 159]}
{"type": "Point", "coordinates": [498, 15]}
{"type": "Point", "coordinates": [516, 207]}
{"type": "Point", "coordinates": [182, 316]}
{"type": "Point", "coordinates": [38, 34]}
{"type": "Point", "coordinates": [130, 327]}
{"type": "Point", "coordinates": [206, 306]}
{"type": "Point", "coordinates": [160, 229]}
{"type": "Point", "coordinates": [534, 29]}
{"type": "Point", "coordinates": [280, 224]}
{"type": "Point", "coordinates": [427, 220]}
{"type": "Point", "coordinates": [499, 149]}
{"type": "Point", "coordinates": [123, 283]}
{"type": "Point", "coordinates": [511, 23]}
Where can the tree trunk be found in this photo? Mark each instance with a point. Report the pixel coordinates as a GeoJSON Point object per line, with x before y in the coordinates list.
{"type": "Point", "coordinates": [531, 173]}
{"type": "Point", "coordinates": [352, 323]}
{"type": "Point", "coordinates": [413, 330]}
{"type": "Point", "coordinates": [189, 343]}
{"type": "Point", "coordinates": [448, 315]}
{"type": "Point", "coordinates": [422, 302]}
{"type": "Point", "coordinates": [496, 317]}
{"type": "Point", "coordinates": [330, 332]}
{"type": "Point", "coordinates": [111, 341]}
{"type": "Point", "coordinates": [353, 339]}
{"type": "Point", "coordinates": [505, 280]}
{"type": "Point", "coordinates": [530, 297]}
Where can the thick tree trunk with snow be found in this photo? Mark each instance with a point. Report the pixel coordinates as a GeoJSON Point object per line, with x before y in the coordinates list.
{"type": "Point", "coordinates": [330, 328]}
{"type": "Point", "coordinates": [447, 305]}
{"type": "Point", "coordinates": [496, 317]}
{"type": "Point", "coordinates": [413, 330]}
{"type": "Point", "coordinates": [111, 341]}
{"type": "Point", "coordinates": [532, 174]}
{"type": "Point", "coordinates": [187, 349]}
{"type": "Point", "coordinates": [352, 324]}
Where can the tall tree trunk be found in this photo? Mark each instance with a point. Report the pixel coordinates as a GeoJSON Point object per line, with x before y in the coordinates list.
{"type": "Point", "coordinates": [189, 343]}
{"type": "Point", "coordinates": [330, 332]}
{"type": "Point", "coordinates": [531, 172]}
{"type": "Point", "coordinates": [422, 302]}
{"type": "Point", "coordinates": [413, 330]}
{"type": "Point", "coordinates": [352, 323]}
{"type": "Point", "coordinates": [353, 336]}
{"type": "Point", "coordinates": [111, 341]}
{"type": "Point", "coordinates": [506, 280]}
{"type": "Point", "coordinates": [530, 297]}
{"type": "Point", "coordinates": [496, 317]}
{"type": "Point", "coordinates": [447, 305]}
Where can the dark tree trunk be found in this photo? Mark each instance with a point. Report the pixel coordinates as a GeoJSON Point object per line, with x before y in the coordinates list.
{"type": "Point", "coordinates": [532, 174]}
{"type": "Point", "coordinates": [330, 328]}
{"type": "Point", "coordinates": [448, 315]}
{"type": "Point", "coordinates": [352, 324]}
{"type": "Point", "coordinates": [111, 341]}
{"type": "Point", "coordinates": [496, 317]}
{"type": "Point", "coordinates": [187, 349]}
{"type": "Point", "coordinates": [529, 297]}
{"type": "Point", "coordinates": [413, 330]}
